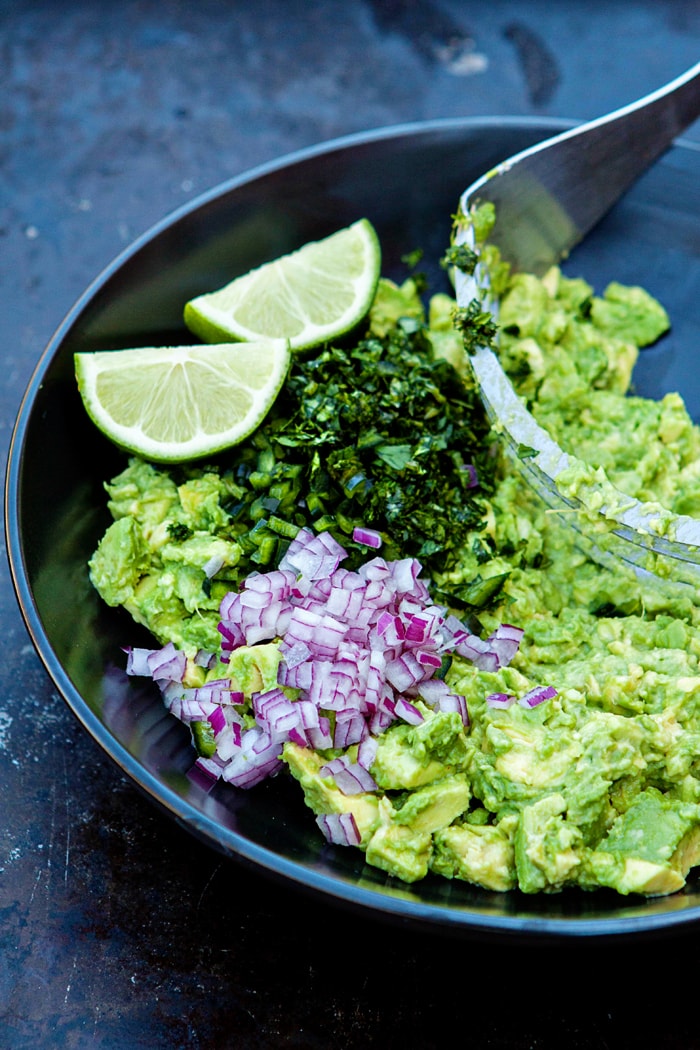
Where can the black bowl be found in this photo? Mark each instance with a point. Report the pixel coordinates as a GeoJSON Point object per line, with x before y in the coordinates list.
{"type": "Point", "coordinates": [407, 180]}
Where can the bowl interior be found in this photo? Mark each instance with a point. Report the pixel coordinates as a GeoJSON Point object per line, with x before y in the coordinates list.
{"type": "Point", "coordinates": [407, 181]}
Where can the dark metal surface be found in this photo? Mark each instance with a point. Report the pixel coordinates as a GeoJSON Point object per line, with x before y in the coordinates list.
{"type": "Point", "coordinates": [117, 928]}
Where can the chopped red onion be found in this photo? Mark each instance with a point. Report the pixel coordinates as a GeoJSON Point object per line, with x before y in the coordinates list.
{"type": "Point", "coordinates": [471, 471]}
{"type": "Point", "coordinates": [217, 720]}
{"type": "Point", "coordinates": [316, 557]}
{"type": "Point", "coordinates": [383, 716]}
{"type": "Point", "coordinates": [479, 652]}
{"type": "Point", "coordinates": [418, 629]}
{"type": "Point", "coordinates": [187, 708]}
{"type": "Point", "coordinates": [340, 829]}
{"type": "Point", "coordinates": [500, 700]}
{"type": "Point", "coordinates": [277, 582]}
{"type": "Point", "coordinates": [357, 648]}
{"type": "Point", "coordinates": [437, 694]}
{"type": "Point", "coordinates": [454, 702]}
{"type": "Point", "coordinates": [167, 664]}
{"type": "Point", "coordinates": [320, 739]}
{"type": "Point", "coordinates": [212, 566]}
{"type": "Point", "coordinates": [505, 641]}
{"type": "Point", "coordinates": [204, 659]}
{"type": "Point", "coordinates": [228, 741]}
{"type": "Point", "coordinates": [367, 752]}
{"type": "Point", "coordinates": [350, 777]}
{"type": "Point", "coordinates": [137, 661]}
{"type": "Point", "coordinates": [275, 712]}
{"type": "Point", "coordinates": [232, 636]}
{"type": "Point", "coordinates": [408, 712]}
{"type": "Point", "coordinates": [376, 570]}
{"type": "Point", "coordinates": [537, 695]}
{"type": "Point", "coordinates": [427, 659]}
{"type": "Point", "coordinates": [294, 653]}
{"type": "Point", "coordinates": [257, 758]}
{"type": "Point", "coordinates": [350, 728]}
{"type": "Point", "coordinates": [405, 575]}
{"type": "Point", "coordinates": [367, 537]}
{"type": "Point", "coordinates": [405, 672]}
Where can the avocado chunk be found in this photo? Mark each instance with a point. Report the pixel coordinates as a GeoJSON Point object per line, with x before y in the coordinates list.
{"type": "Point", "coordinates": [629, 312]}
{"type": "Point", "coordinates": [322, 795]}
{"type": "Point", "coordinates": [253, 668]}
{"type": "Point", "coordinates": [163, 559]}
{"type": "Point", "coordinates": [392, 302]}
{"type": "Point", "coordinates": [650, 848]}
{"type": "Point", "coordinates": [547, 849]}
{"type": "Point", "coordinates": [400, 850]}
{"type": "Point", "coordinates": [482, 854]}
{"type": "Point", "coordinates": [402, 845]}
{"type": "Point", "coordinates": [409, 757]}
{"type": "Point", "coordinates": [119, 561]}
{"type": "Point", "coordinates": [436, 805]}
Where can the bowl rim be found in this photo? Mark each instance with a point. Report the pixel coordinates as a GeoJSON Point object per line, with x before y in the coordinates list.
{"type": "Point", "coordinates": [441, 918]}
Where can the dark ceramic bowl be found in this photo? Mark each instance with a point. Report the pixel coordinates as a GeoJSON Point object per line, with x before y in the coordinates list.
{"type": "Point", "coordinates": [407, 181]}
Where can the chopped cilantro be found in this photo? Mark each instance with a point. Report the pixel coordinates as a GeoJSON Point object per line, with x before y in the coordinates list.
{"type": "Point", "coordinates": [411, 259]}
{"type": "Point", "coordinates": [377, 434]}
{"type": "Point", "coordinates": [461, 256]}
{"type": "Point", "coordinates": [476, 324]}
{"type": "Point", "coordinates": [178, 531]}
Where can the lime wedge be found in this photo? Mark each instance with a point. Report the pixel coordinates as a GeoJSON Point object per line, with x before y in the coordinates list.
{"type": "Point", "coordinates": [308, 297]}
{"type": "Point", "coordinates": [171, 404]}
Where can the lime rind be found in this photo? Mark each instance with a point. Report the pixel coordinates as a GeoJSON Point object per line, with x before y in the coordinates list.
{"type": "Point", "coordinates": [310, 296]}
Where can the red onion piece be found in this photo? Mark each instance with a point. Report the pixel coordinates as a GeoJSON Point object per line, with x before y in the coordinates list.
{"type": "Point", "coordinates": [350, 777]}
{"type": "Point", "coordinates": [367, 752]}
{"type": "Point", "coordinates": [211, 567]}
{"type": "Point", "coordinates": [294, 653]}
{"type": "Point", "coordinates": [426, 659]}
{"type": "Point", "coordinates": [217, 720]}
{"type": "Point", "coordinates": [340, 829]}
{"type": "Point", "coordinates": [204, 659]}
{"type": "Point", "coordinates": [358, 648]}
{"type": "Point", "coordinates": [350, 728]}
{"type": "Point", "coordinates": [537, 696]}
{"type": "Point", "coordinates": [479, 652]}
{"type": "Point", "coordinates": [316, 557]}
{"type": "Point", "coordinates": [367, 537]}
{"type": "Point", "coordinates": [505, 641]}
{"type": "Point", "coordinates": [500, 700]}
{"type": "Point", "coordinates": [472, 474]}
{"type": "Point", "coordinates": [137, 661]}
{"type": "Point", "coordinates": [408, 712]}
{"type": "Point", "coordinates": [405, 672]}
{"type": "Point", "coordinates": [167, 664]}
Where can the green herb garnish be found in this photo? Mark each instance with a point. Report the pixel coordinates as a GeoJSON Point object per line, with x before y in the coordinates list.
{"type": "Point", "coordinates": [460, 256]}
{"type": "Point", "coordinates": [383, 434]}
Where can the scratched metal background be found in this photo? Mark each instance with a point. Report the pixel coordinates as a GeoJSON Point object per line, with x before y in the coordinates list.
{"type": "Point", "coordinates": [115, 930]}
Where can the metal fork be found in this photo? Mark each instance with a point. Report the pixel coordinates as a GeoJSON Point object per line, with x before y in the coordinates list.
{"type": "Point", "coordinates": [547, 198]}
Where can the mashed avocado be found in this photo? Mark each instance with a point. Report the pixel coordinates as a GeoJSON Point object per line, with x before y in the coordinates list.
{"type": "Point", "coordinates": [598, 786]}
{"type": "Point", "coordinates": [167, 558]}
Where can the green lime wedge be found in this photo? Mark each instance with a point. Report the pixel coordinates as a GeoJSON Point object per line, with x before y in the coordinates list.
{"type": "Point", "coordinates": [171, 404]}
{"type": "Point", "coordinates": [308, 297]}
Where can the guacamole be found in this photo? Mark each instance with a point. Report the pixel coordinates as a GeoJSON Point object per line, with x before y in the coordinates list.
{"type": "Point", "coordinates": [596, 785]}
